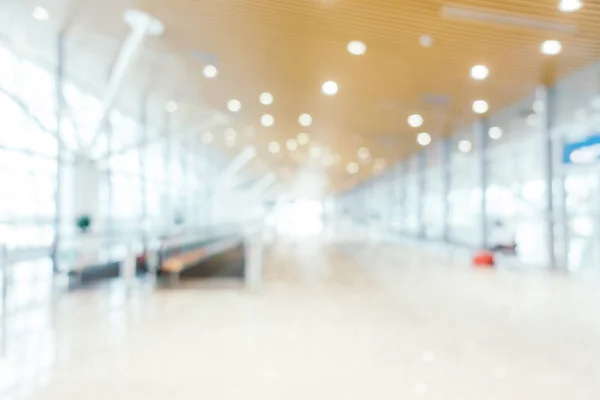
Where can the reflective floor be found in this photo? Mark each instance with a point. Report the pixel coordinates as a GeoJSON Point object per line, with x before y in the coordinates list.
{"type": "Point", "coordinates": [344, 318]}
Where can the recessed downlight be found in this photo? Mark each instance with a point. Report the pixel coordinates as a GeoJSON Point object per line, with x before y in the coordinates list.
{"type": "Point", "coordinates": [305, 120]}
{"type": "Point", "coordinates": [40, 13]}
{"type": "Point", "coordinates": [352, 168]}
{"type": "Point", "coordinates": [415, 120]}
{"type": "Point", "coordinates": [291, 144]}
{"type": "Point", "coordinates": [424, 138]}
{"type": "Point", "coordinates": [495, 132]}
{"type": "Point", "coordinates": [356, 47]}
{"type": "Point", "coordinates": [479, 72]}
{"type": "Point", "coordinates": [426, 40]}
{"type": "Point", "coordinates": [210, 71]}
{"type": "Point", "coordinates": [267, 120]}
{"type": "Point", "coordinates": [480, 106]}
{"type": "Point", "coordinates": [465, 146]}
{"type": "Point", "coordinates": [274, 147]}
{"type": "Point", "coordinates": [303, 138]}
{"type": "Point", "coordinates": [230, 133]}
{"type": "Point", "coordinates": [570, 5]}
{"type": "Point", "coordinates": [330, 88]}
{"type": "Point", "coordinates": [234, 105]}
{"type": "Point", "coordinates": [171, 106]}
{"type": "Point", "coordinates": [363, 153]}
{"type": "Point", "coordinates": [207, 137]}
{"type": "Point", "coordinates": [266, 98]}
{"type": "Point", "coordinates": [551, 47]}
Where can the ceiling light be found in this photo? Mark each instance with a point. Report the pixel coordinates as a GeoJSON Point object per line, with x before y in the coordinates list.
{"type": "Point", "coordinates": [570, 5]}
{"type": "Point", "coordinates": [538, 106]}
{"type": "Point", "coordinates": [480, 106]}
{"type": "Point", "coordinates": [210, 71]}
{"type": "Point", "coordinates": [479, 72]}
{"type": "Point", "coordinates": [303, 138]}
{"type": "Point", "coordinates": [532, 119]}
{"type": "Point", "coordinates": [357, 47]}
{"type": "Point", "coordinates": [40, 14]}
{"type": "Point", "coordinates": [229, 142]}
{"type": "Point", "coordinates": [274, 147]}
{"type": "Point", "coordinates": [234, 105]}
{"type": "Point", "coordinates": [352, 168]}
{"type": "Point", "coordinates": [207, 137]}
{"type": "Point", "coordinates": [415, 120]}
{"type": "Point", "coordinates": [465, 146]}
{"type": "Point", "coordinates": [363, 153]}
{"type": "Point", "coordinates": [327, 160]}
{"type": "Point", "coordinates": [171, 106]}
{"type": "Point", "coordinates": [426, 40]}
{"type": "Point", "coordinates": [305, 120]}
{"type": "Point", "coordinates": [316, 152]}
{"type": "Point", "coordinates": [267, 120]}
{"type": "Point", "coordinates": [291, 144]}
{"type": "Point", "coordinates": [266, 98]}
{"type": "Point", "coordinates": [330, 88]}
{"type": "Point", "coordinates": [424, 138]}
{"type": "Point", "coordinates": [551, 47]}
{"type": "Point", "coordinates": [495, 132]}
{"type": "Point", "coordinates": [230, 134]}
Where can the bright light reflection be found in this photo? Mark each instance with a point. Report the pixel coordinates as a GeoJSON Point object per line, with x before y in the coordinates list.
{"type": "Point", "coordinates": [301, 217]}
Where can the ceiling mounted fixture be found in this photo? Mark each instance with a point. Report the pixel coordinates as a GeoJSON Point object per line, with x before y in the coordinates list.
{"type": "Point", "coordinates": [356, 47]}
{"type": "Point", "coordinates": [316, 152]}
{"type": "Point", "coordinates": [465, 146]}
{"type": "Point", "coordinates": [512, 20]}
{"type": "Point", "coordinates": [207, 137]}
{"type": "Point", "coordinates": [303, 138]}
{"type": "Point", "coordinates": [234, 105]}
{"type": "Point", "coordinates": [210, 71]}
{"type": "Point", "coordinates": [532, 119]}
{"type": "Point", "coordinates": [230, 133]}
{"type": "Point", "coordinates": [171, 106]}
{"type": "Point", "coordinates": [352, 168]}
{"type": "Point", "coordinates": [266, 98]}
{"type": "Point", "coordinates": [40, 13]}
{"type": "Point", "coordinates": [424, 138]}
{"type": "Point", "coordinates": [267, 120]}
{"type": "Point", "coordinates": [274, 147]}
{"type": "Point", "coordinates": [415, 120]}
{"type": "Point", "coordinates": [570, 5]}
{"type": "Point", "coordinates": [305, 120]}
{"type": "Point", "coordinates": [363, 153]}
{"type": "Point", "coordinates": [495, 133]}
{"type": "Point", "coordinates": [291, 144]}
{"type": "Point", "coordinates": [480, 106]}
{"type": "Point", "coordinates": [230, 142]}
{"type": "Point", "coordinates": [479, 72]}
{"type": "Point", "coordinates": [426, 41]}
{"type": "Point", "coordinates": [330, 88]}
{"type": "Point", "coordinates": [551, 47]}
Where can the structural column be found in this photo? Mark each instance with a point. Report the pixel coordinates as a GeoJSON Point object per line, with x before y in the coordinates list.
{"type": "Point", "coordinates": [481, 139]}
{"type": "Point", "coordinates": [544, 97]}
{"type": "Point", "coordinates": [60, 52]}
{"type": "Point", "coordinates": [445, 147]}
{"type": "Point", "coordinates": [420, 159]}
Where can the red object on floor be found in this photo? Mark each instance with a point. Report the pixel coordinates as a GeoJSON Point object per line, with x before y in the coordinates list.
{"type": "Point", "coordinates": [484, 259]}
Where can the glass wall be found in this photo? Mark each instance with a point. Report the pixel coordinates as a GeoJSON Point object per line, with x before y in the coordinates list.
{"type": "Point", "coordinates": [518, 171]}
{"type": "Point", "coordinates": [141, 176]}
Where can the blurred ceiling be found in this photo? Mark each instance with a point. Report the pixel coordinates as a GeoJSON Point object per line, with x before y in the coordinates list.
{"type": "Point", "coordinates": [418, 60]}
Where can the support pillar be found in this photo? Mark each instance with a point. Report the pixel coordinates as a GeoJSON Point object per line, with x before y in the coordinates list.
{"type": "Point", "coordinates": [58, 83]}
{"type": "Point", "coordinates": [481, 139]}
{"type": "Point", "coordinates": [420, 160]}
{"type": "Point", "coordinates": [445, 149]}
{"type": "Point", "coordinates": [544, 97]}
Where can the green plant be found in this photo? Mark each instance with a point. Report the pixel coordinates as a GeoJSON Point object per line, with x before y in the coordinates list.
{"type": "Point", "coordinates": [84, 222]}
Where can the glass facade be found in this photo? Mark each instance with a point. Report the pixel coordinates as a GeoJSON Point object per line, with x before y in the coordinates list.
{"type": "Point", "coordinates": [515, 166]}
{"type": "Point", "coordinates": [128, 175]}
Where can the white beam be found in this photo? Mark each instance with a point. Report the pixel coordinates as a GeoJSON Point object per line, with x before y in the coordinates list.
{"type": "Point", "coordinates": [243, 158]}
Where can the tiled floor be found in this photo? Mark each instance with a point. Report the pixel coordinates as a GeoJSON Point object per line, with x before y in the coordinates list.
{"type": "Point", "coordinates": [343, 319]}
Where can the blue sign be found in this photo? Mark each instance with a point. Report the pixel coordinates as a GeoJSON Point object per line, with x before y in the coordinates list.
{"type": "Point", "coordinates": [584, 152]}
